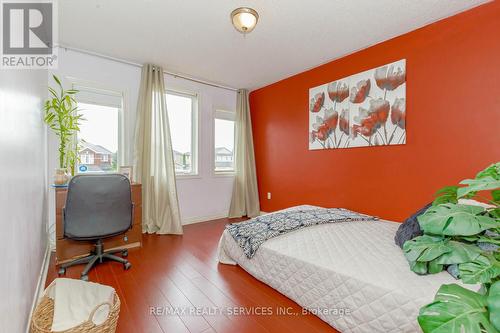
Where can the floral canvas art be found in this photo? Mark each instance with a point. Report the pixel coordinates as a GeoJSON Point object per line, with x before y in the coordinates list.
{"type": "Point", "coordinates": [365, 109]}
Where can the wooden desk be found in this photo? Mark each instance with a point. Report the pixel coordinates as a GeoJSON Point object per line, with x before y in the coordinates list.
{"type": "Point", "coordinates": [67, 249]}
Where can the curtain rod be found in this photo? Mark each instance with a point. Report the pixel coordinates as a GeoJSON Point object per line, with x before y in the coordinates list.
{"type": "Point", "coordinates": [127, 62]}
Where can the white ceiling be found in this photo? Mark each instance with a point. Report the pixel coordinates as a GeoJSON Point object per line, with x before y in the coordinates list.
{"type": "Point", "coordinates": [195, 37]}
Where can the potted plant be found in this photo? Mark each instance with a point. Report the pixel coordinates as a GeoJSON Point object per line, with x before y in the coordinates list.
{"type": "Point", "coordinates": [61, 115]}
{"type": "Point", "coordinates": [462, 236]}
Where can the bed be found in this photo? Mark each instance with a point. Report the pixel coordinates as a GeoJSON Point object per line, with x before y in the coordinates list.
{"type": "Point", "coordinates": [350, 274]}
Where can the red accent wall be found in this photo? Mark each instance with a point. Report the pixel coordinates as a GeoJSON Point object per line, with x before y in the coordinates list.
{"type": "Point", "coordinates": [453, 123]}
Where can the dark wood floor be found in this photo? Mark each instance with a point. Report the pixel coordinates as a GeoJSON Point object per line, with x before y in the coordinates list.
{"type": "Point", "coordinates": [182, 272]}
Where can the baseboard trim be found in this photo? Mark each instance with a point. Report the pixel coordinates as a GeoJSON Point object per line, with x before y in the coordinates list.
{"type": "Point", "coordinates": [40, 287]}
{"type": "Point", "coordinates": [200, 219]}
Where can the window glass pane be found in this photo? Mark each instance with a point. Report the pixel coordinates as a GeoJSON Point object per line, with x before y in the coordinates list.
{"type": "Point", "coordinates": [224, 145]}
{"type": "Point", "coordinates": [180, 116]}
{"type": "Point", "coordinates": [98, 138]}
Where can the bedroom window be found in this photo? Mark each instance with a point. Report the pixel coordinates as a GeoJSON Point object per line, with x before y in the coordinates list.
{"type": "Point", "coordinates": [182, 116]}
{"type": "Point", "coordinates": [99, 136]}
{"type": "Point", "coordinates": [224, 128]}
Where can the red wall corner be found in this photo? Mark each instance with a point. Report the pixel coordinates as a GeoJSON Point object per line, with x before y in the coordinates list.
{"type": "Point", "coordinates": [453, 123]}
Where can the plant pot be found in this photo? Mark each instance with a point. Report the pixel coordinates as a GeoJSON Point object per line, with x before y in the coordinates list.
{"type": "Point", "coordinates": [61, 177]}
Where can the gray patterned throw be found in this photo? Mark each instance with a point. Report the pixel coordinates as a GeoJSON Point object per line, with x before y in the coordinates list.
{"type": "Point", "coordinates": [252, 233]}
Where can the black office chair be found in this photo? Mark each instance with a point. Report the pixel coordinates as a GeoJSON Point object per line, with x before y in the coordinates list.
{"type": "Point", "coordinates": [97, 207]}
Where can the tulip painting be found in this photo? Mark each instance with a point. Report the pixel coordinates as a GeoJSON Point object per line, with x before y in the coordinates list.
{"type": "Point", "coordinates": [316, 102]}
{"type": "Point", "coordinates": [365, 109]}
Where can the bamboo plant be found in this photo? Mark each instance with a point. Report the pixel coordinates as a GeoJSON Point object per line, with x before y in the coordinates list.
{"type": "Point", "coordinates": [61, 115]}
{"type": "Point", "coordinates": [465, 240]}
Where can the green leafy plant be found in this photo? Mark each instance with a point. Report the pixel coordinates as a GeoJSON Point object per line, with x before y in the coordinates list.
{"type": "Point", "coordinates": [467, 238]}
{"type": "Point", "coordinates": [456, 309]}
{"type": "Point", "coordinates": [61, 115]}
{"type": "Point", "coordinates": [493, 302]}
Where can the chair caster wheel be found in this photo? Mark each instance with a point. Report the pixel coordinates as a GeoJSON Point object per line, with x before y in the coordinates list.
{"type": "Point", "coordinates": [125, 253]}
{"type": "Point", "coordinates": [84, 277]}
{"type": "Point", "coordinates": [127, 266]}
{"type": "Point", "coordinates": [61, 271]}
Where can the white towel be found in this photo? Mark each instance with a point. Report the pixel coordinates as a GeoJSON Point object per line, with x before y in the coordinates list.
{"type": "Point", "coordinates": [74, 300]}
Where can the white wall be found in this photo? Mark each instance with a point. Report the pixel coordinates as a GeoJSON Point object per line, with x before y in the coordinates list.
{"type": "Point", "coordinates": [23, 193]}
{"type": "Point", "coordinates": [200, 198]}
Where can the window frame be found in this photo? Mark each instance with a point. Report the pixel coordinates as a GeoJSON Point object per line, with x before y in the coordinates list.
{"type": "Point", "coordinates": [194, 132]}
{"type": "Point", "coordinates": [223, 114]}
{"type": "Point", "coordinates": [98, 89]}
{"type": "Point", "coordinates": [89, 159]}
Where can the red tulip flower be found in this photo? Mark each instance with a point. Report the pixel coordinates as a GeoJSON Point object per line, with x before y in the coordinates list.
{"type": "Point", "coordinates": [379, 108]}
{"type": "Point", "coordinates": [398, 113]}
{"type": "Point", "coordinates": [317, 102]}
{"type": "Point", "coordinates": [360, 91]}
{"type": "Point", "coordinates": [367, 123]}
{"type": "Point", "coordinates": [344, 121]}
{"type": "Point", "coordinates": [371, 120]}
{"type": "Point", "coordinates": [368, 126]}
{"type": "Point", "coordinates": [388, 78]}
{"type": "Point", "coordinates": [331, 119]}
{"type": "Point", "coordinates": [323, 132]}
{"type": "Point", "coordinates": [323, 127]}
{"type": "Point", "coordinates": [338, 91]}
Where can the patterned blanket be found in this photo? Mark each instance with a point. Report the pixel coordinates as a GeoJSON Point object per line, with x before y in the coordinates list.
{"type": "Point", "coordinates": [252, 233]}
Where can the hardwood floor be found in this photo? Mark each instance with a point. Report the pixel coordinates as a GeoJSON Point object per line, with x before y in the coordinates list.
{"type": "Point", "coordinates": [182, 272]}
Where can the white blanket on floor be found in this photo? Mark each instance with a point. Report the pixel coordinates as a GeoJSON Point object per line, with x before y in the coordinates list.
{"type": "Point", "coordinates": [74, 300]}
{"type": "Point", "coordinates": [343, 266]}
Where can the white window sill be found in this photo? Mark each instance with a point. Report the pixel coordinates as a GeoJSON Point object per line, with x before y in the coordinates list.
{"type": "Point", "coordinates": [187, 176]}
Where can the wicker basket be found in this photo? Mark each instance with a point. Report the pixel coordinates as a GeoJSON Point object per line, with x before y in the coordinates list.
{"type": "Point", "coordinates": [44, 313]}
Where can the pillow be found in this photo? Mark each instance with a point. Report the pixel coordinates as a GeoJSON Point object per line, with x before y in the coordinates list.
{"type": "Point", "coordinates": [410, 228]}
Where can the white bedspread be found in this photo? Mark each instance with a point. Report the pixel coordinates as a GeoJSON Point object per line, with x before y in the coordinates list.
{"type": "Point", "coordinates": [351, 265]}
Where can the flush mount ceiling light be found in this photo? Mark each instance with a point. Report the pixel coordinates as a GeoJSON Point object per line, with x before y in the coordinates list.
{"type": "Point", "coordinates": [244, 19]}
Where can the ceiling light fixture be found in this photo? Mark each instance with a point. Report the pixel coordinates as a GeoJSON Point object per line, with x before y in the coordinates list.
{"type": "Point", "coordinates": [244, 19]}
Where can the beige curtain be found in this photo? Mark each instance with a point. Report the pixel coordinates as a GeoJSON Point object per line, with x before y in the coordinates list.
{"type": "Point", "coordinates": [245, 199]}
{"type": "Point", "coordinates": [153, 157]}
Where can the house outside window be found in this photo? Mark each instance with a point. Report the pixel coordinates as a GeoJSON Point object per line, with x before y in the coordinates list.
{"type": "Point", "coordinates": [224, 131]}
{"type": "Point", "coordinates": [99, 136]}
{"type": "Point", "coordinates": [95, 157]}
{"type": "Point", "coordinates": [182, 111]}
